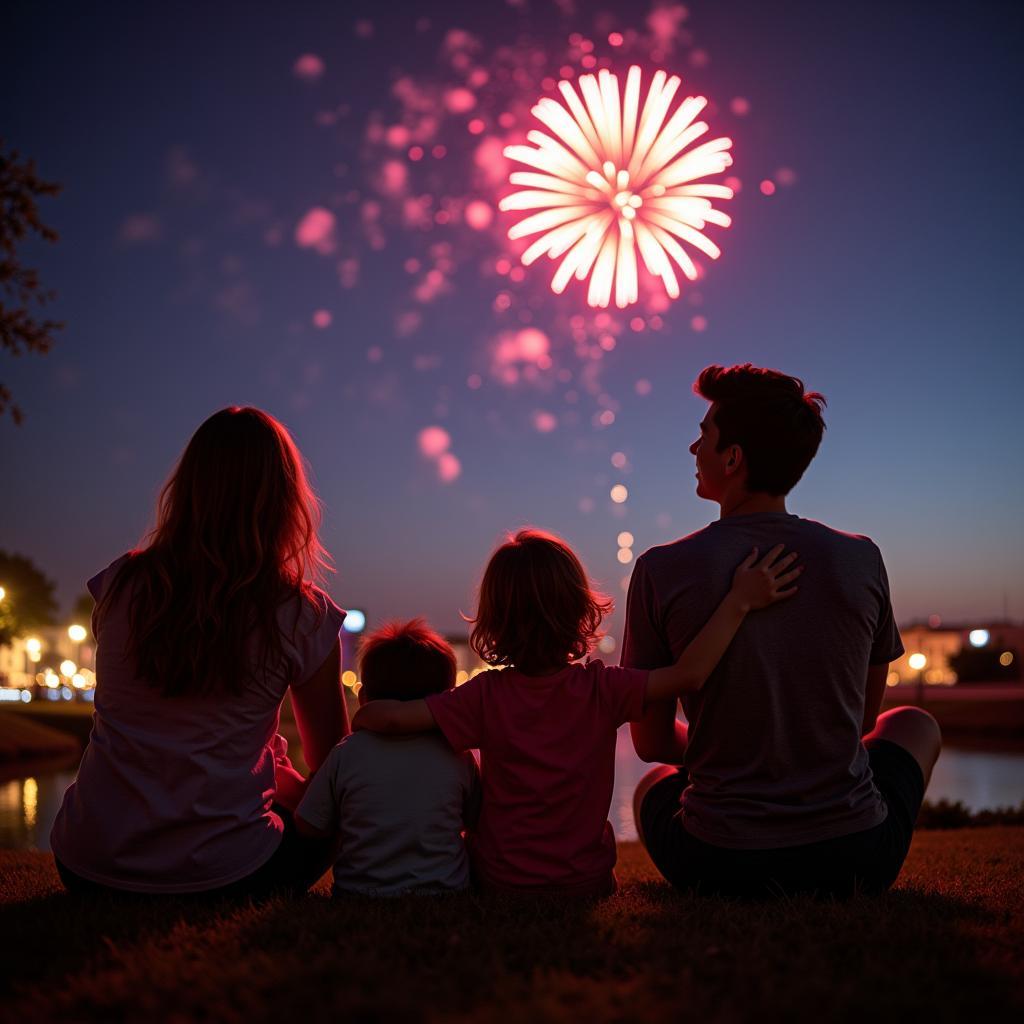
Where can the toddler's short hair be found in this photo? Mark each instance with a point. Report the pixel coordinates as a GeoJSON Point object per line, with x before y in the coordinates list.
{"type": "Point", "coordinates": [405, 661]}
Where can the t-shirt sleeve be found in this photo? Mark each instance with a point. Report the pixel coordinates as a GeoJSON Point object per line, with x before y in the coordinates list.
{"type": "Point", "coordinates": [886, 644]}
{"type": "Point", "coordinates": [316, 634]}
{"type": "Point", "coordinates": [321, 804]}
{"type": "Point", "coordinates": [643, 645]}
{"type": "Point", "coordinates": [459, 714]}
{"type": "Point", "coordinates": [622, 691]}
{"type": "Point", "coordinates": [98, 584]}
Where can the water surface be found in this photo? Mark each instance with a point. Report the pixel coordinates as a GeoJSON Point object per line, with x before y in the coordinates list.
{"type": "Point", "coordinates": [980, 779]}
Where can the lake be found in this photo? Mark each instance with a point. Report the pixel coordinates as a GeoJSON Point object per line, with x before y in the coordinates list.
{"type": "Point", "coordinates": [980, 779]}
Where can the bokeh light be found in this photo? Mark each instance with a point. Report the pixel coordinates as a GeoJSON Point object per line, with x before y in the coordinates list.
{"type": "Point", "coordinates": [355, 621]}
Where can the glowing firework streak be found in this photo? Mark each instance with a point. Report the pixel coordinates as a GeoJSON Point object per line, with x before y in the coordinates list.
{"type": "Point", "coordinates": [616, 179]}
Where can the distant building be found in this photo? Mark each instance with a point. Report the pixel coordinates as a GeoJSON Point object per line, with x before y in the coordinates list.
{"type": "Point", "coordinates": [58, 659]}
{"type": "Point", "coordinates": [943, 646]}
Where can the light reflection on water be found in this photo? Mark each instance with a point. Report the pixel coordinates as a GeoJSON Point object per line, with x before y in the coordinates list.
{"type": "Point", "coordinates": [979, 779]}
{"type": "Point", "coordinates": [28, 807]}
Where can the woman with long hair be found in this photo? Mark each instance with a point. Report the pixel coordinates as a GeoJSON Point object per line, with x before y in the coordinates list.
{"type": "Point", "coordinates": [184, 785]}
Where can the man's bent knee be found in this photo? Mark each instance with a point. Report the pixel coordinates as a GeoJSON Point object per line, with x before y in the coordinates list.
{"type": "Point", "coordinates": [652, 778]}
{"type": "Point", "coordinates": [916, 731]}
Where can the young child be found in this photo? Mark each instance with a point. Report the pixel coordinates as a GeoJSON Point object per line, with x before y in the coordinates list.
{"type": "Point", "coordinates": [545, 724]}
{"type": "Point", "coordinates": [397, 805]}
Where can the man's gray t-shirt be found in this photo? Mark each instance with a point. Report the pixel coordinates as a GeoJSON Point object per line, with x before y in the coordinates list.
{"type": "Point", "coordinates": [398, 805]}
{"type": "Point", "coordinates": [774, 753]}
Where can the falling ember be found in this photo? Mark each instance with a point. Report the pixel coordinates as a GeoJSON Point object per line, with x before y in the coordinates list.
{"type": "Point", "coordinates": [617, 179]}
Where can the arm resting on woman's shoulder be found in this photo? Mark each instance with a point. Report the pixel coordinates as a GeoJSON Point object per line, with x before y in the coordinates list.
{"type": "Point", "coordinates": [320, 712]}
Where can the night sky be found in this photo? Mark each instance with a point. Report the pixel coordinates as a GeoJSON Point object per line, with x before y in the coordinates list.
{"type": "Point", "coordinates": [195, 141]}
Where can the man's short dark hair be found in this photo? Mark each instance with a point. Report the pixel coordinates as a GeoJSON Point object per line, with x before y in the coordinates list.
{"type": "Point", "coordinates": [769, 415]}
{"type": "Point", "coordinates": [405, 661]}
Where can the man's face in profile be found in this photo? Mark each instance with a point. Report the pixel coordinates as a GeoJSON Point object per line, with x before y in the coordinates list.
{"type": "Point", "coordinates": [711, 463]}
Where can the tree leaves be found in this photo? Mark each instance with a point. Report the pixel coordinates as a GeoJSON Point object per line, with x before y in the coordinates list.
{"type": "Point", "coordinates": [21, 328]}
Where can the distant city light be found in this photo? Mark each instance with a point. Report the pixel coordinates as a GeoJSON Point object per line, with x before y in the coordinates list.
{"type": "Point", "coordinates": [68, 668]}
{"type": "Point", "coordinates": [355, 621]}
{"type": "Point", "coordinates": [917, 661]}
{"type": "Point", "coordinates": [77, 633]}
{"type": "Point", "coordinates": [33, 645]}
{"type": "Point", "coordinates": [978, 637]}
{"type": "Point", "coordinates": [619, 493]}
{"type": "Point", "coordinates": [1006, 659]}
{"type": "Point", "coordinates": [625, 556]}
{"type": "Point", "coordinates": [625, 539]}
{"type": "Point", "coordinates": [348, 677]}
{"type": "Point", "coordinates": [3, 593]}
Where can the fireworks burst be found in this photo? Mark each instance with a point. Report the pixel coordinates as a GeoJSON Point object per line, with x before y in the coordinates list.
{"type": "Point", "coordinates": [616, 180]}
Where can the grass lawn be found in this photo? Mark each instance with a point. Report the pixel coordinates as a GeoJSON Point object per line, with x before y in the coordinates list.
{"type": "Point", "coordinates": [945, 945]}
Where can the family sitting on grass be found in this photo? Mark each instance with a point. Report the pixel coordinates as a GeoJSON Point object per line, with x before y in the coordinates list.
{"type": "Point", "coordinates": [784, 779]}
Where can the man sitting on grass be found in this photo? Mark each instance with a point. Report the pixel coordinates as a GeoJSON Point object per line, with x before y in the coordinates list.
{"type": "Point", "coordinates": [398, 806]}
{"type": "Point", "coordinates": [790, 780]}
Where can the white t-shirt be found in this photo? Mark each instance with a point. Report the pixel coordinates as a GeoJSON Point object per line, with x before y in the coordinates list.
{"type": "Point", "coordinates": [173, 793]}
{"type": "Point", "coordinates": [398, 805]}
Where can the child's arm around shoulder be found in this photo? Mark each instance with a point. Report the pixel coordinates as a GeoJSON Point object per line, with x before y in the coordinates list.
{"type": "Point", "coordinates": [755, 585]}
{"type": "Point", "coordinates": [395, 717]}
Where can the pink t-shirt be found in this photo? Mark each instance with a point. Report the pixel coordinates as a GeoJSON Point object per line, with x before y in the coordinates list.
{"type": "Point", "coordinates": [547, 763]}
{"type": "Point", "coordinates": [174, 794]}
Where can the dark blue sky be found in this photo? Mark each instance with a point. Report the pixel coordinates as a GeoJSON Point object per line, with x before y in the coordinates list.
{"type": "Point", "coordinates": [887, 275]}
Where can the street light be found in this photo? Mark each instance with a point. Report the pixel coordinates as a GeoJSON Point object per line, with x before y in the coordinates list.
{"type": "Point", "coordinates": [33, 655]}
{"type": "Point", "coordinates": [918, 661]}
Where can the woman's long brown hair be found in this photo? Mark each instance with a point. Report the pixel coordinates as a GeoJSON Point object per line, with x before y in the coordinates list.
{"type": "Point", "coordinates": [236, 536]}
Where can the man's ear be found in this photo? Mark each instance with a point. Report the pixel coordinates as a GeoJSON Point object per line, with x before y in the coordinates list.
{"type": "Point", "coordinates": [733, 460]}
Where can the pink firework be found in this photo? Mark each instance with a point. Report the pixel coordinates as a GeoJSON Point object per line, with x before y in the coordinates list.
{"type": "Point", "coordinates": [617, 179]}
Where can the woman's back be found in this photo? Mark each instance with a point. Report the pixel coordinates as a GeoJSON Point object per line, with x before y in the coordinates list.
{"type": "Point", "coordinates": [174, 792]}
